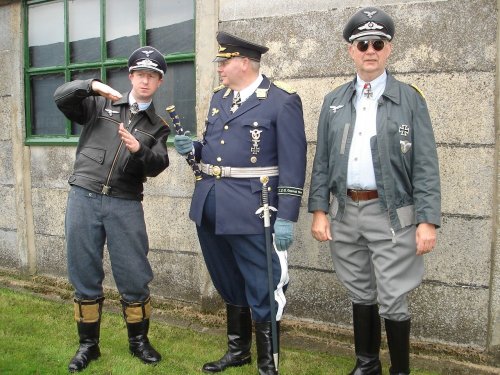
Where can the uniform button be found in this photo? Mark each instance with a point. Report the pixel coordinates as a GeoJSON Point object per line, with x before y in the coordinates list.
{"type": "Point", "coordinates": [226, 127]}
{"type": "Point", "coordinates": [253, 159]}
{"type": "Point", "coordinates": [355, 159]}
{"type": "Point", "coordinates": [222, 142]}
{"type": "Point", "coordinates": [219, 158]}
{"type": "Point", "coordinates": [360, 133]}
{"type": "Point", "coordinates": [255, 123]}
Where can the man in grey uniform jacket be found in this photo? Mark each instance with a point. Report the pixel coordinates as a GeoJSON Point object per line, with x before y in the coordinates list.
{"type": "Point", "coordinates": [376, 173]}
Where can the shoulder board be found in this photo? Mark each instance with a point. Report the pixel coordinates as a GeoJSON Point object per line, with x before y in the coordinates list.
{"type": "Point", "coordinates": [417, 90]}
{"type": "Point", "coordinates": [282, 85]}
{"type": "Point", "coordinates": [218, 88]}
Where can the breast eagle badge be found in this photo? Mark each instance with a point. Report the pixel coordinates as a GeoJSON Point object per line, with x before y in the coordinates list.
{"type": "Point", "coordinates": [110, 112]}
{"type": "Point", "coordinates": [335, 108]}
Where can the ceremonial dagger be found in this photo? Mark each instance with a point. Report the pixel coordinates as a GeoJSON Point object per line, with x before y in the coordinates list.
{"type": "Point", "coordinates": [180, 131]}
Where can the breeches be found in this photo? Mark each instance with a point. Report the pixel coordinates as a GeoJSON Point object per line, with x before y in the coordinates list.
{"type": "Point", "coordinates": [375, 264]}
{"type": "Point", "coordinates": [91, 220]}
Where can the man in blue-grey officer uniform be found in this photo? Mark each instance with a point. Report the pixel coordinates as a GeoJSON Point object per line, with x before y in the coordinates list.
{"type": "Point", "coordinates": [123, 142]}
{"type": "Point", "coordinates": [376, 174]}
{"type": "Point", "coordinates": [254, 128]}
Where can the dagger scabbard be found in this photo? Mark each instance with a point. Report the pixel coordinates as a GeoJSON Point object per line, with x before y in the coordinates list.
{"type": "Point", "coordinates": [180, 131]}
{"type": "Point", "coordinates": [266, 210]}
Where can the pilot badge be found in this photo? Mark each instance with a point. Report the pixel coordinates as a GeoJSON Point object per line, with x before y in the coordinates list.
{"type": "Point", "coordinates": [405, 146]}
{"type": "Point", "coordinates": [255, 133]}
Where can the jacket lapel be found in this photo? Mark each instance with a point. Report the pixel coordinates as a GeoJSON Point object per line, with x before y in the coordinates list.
{"type": "Point", "coordinates": [226, 101]}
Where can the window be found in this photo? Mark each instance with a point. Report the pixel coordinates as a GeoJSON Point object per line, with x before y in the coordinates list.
{"type": "Point", "coordinates": [81, 39]}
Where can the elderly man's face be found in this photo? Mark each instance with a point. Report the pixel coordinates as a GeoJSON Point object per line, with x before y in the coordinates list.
{"type": "Point", "coordinates": [232, 72]}
{"type": "Point", "coordinates": [370, 63]}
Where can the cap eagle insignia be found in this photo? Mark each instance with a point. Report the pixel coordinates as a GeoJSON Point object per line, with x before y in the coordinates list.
{"type": "Point", "coordinates": [147, 53]}
{"type": "Point", "coordinates": [369, 14]}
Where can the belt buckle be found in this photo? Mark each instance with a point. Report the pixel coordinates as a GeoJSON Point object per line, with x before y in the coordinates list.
{"type": "Point", "coordinates": [216, 171]}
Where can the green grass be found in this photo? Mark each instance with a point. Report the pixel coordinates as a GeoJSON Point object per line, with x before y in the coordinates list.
{"type": "Point", "coordinates": [38, 336]}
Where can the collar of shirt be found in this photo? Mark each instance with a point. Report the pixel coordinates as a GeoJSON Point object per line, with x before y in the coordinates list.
{"type": "Point", "coordinates": [249, 90]}
{"type": "Point", "coordinates": [142, 106]}
{"type": "Point", "coordinates": [377, 86]}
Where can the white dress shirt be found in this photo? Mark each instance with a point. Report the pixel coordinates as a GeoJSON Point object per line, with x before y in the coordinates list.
{"type": "Point", "coordinates": [249, 90]}
{"type": "Point", "coordinates": [360, 174]}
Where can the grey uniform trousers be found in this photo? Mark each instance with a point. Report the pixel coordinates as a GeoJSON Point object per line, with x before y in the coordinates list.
{"type": "Point", "coordinates": [374, 263]}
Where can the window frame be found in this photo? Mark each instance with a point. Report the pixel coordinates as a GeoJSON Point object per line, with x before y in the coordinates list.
{"type": "Point", "coordinates": [68, 67]}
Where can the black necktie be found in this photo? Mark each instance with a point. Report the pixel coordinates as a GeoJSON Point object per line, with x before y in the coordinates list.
{"type": "Point", "coordinates": [134, 108]}
{"type": "Point", "coordinates": [236, 102]}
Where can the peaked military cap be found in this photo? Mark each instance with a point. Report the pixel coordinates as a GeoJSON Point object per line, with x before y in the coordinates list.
{"type": "Point", "coordinates": [233, 46]}
{"type": "Point", "coordinates": [147, 58]}
{"type": "Point", "coordinates": [369, 22]}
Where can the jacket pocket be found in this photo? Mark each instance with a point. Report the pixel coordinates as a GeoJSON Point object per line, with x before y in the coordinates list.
{"type": "Point", "coordinates": [334, 208]}
{"type": "Point", "coordinates": [95, 154]}
{"type": "Point", "coordinates": [406, 215]}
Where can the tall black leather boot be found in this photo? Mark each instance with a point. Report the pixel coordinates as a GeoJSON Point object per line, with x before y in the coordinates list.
{"type": "Point", "coordinates": [264, 340]}
{"type": "Point", "coordinates": [398, 340]}
{"type": "Point", "coordinates": [366, 322]}
{"type": "Point", "coordinates": [88, 317]}
{"type": "Point", "coordinates": [239, 340]}
{"type": "Point", "coordinates": [137, 318]}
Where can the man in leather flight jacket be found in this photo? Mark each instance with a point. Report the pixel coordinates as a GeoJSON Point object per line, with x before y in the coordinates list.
{"type": "Point", "coordinates": [123, 141]}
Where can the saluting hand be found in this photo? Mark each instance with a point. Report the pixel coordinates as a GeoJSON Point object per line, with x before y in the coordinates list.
{"type": "Point", "coordinates": [129, 140]}
{"type": "Point", "coordinates": [106, 91]}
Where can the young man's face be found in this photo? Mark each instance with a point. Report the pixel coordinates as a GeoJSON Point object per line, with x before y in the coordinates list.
{"type": "Point", "coordinates": [144, 84]}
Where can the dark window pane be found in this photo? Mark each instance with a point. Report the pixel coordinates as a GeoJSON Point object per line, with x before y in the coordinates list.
{"type": "Point", "coordinates": [173, 38]}
{"type": "Point", "coordinates": [122, 27]}
{"type": "Point", "coordinates": [174, 33]}
{"type": "Point", "coordinates": [117, 78]}
{"type": "Point", "coordinates": [46, 119]}
{"type": "Point", "coordinates": [46, 44]}
{"type": "Point", "coordinates": [84, 31]}
{"type": "Point", "coordinates": [179, 89]}
{"type": "Point", "coordinates": [76, 128]}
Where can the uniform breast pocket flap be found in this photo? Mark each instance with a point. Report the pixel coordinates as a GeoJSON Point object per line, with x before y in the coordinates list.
{"type": "Point", "coordinates": [96, 154]}
{"type": "Point", "coordinates": [257, 123]}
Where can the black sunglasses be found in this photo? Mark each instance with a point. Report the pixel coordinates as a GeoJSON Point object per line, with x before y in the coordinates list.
{"type": "Point", "coordinates": [378, 45]}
